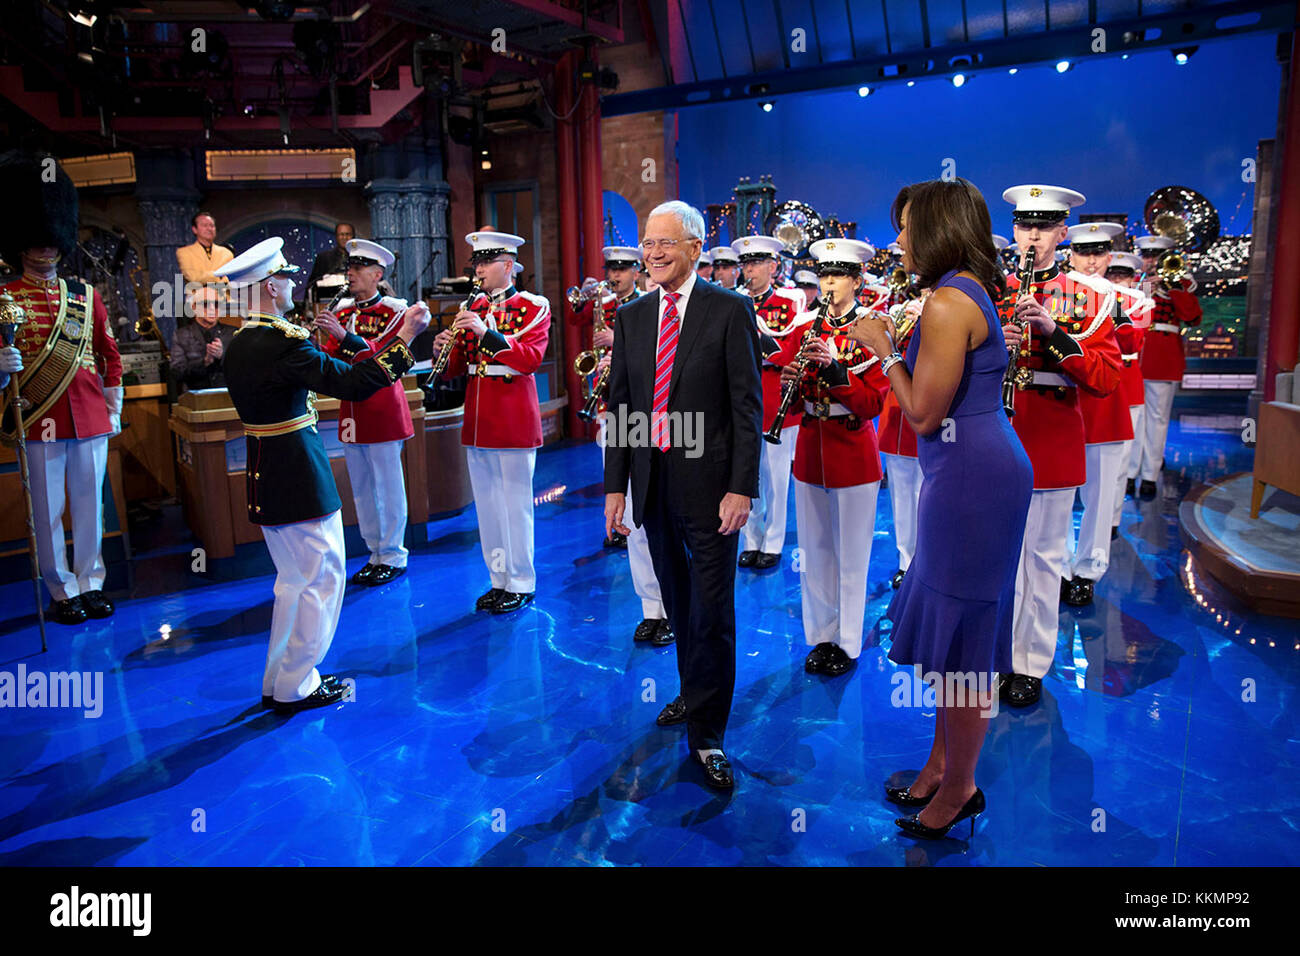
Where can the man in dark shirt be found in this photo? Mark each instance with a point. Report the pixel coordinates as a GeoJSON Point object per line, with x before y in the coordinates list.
{"type": "Point", "coordinates": [332, 262]}
{"type": "Point", "coordinates": [198, 349]}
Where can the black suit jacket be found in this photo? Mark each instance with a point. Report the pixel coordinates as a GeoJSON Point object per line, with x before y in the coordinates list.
{"type": "Point", "coordinates": [715, 381]}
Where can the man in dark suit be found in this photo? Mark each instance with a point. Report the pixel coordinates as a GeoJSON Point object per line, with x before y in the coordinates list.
{"type": "Point", "coordinates": [685, 421]}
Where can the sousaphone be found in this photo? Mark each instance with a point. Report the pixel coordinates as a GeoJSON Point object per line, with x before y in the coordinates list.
{"type": "Point", "coordinates": [1184, 215]}
{"type": "Point", "coordinates": [797, 225]}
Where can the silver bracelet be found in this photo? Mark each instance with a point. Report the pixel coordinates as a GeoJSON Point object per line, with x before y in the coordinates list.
{"type": "Point", "coordinates": [890, 361]}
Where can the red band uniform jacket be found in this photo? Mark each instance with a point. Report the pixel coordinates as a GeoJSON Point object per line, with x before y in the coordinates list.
{"type": "Point", "coordinates": [777, 311]}
{"type": "Point", "coordinates": [372, 327]}
{"type": "Point", "coordinates": [501, 408]}
{"type": "Point", "coordinates": [1082, 351]}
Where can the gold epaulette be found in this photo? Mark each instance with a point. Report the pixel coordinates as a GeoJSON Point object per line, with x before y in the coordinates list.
{"type": "Point", "coordinates": [279, 323]}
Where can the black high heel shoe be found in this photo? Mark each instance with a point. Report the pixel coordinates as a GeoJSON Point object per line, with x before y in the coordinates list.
{"type": "Point", "coordinates": [904, 797]}
{"type": "Point", "coordinates": [913, 826]}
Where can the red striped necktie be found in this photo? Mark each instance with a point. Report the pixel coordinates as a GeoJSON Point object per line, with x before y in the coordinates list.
{"type": "Point", "coordinates": [668, 334]}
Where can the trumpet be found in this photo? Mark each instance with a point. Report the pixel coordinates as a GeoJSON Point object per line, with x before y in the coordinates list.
{"type": "Point", "coordinates": [579, 295]}
{"type": "Point", "coordinates": [1018, 378]}
{"type": "Point", "coordinates": [440, 363]}
{"type": "Point", "coordinates": [899, 282]}
{"type": "Point", "coordinates": [793, 387]}
{"type": "Point", "coordinates": [1172, 269]}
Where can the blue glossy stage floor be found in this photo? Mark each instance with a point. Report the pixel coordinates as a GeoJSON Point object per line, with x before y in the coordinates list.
{"type": "Point", "coordinates": [1166, 733]}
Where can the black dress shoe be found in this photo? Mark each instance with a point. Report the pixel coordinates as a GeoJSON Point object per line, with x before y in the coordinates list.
{"type": "Point", "coordinates": [616, 540]}
{"type": "Point", "coordinates": [817, 658]}
{"type": "Point", "coordinates": [68, 611]}
{"type": "Point", "coordinates": [674, 713]}
{"type": "Point", "coordinates": [1021, 690]}
{"type": "Point", "coordinates": [747, 559]}
{"type": "Point", "coordinates": [663, 635]}
{"type": "Point", "coordinates": [385, 573]}
{"type": "Point", "coordinates": [646, 629]}
{"type": "Point", "coordinates": [764, 560]}
{"type": "Point", "coordinates": [488, 599]}
{"type": "Point", "coordinates": [717, 770]}
{"type": "Point", "coordinates": [837, 662]}
{"type": "Point", "coordinates": [328, 681]}
{"type": "Point", "coordinates": [1066, 585]}
{"type": "Point", "coordinates": [913, 826]}
{"type": "Point", "coordinates": [1148, 489]}
{"type": "Point", "coordinates": [896, 581]}
{"type": "Point", "coordinates": [95, 604]}
{"type": "Point", "coordinates": [510, 601]}
{"type": "Point", "coordinates": [364, 576]}
{"type": "Point", "coordinates": [1114, 532]}
{"type": "Point", "coordinates": [1080, 592]}
{"type": "Point", "coordinates": [904, 798]}
{"type": "Point", "coordinates": [323, 696]}
{"type": "Point", "coordinates": [1130, 487]}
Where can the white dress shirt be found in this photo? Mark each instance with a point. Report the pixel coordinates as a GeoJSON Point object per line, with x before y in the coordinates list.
{"type": "Point", "coordinates": [684, 294]}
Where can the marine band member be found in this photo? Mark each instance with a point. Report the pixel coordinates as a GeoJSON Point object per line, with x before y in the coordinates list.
{"type": "Point", "coordinates": [1070, 347]}
{"type": "Point", "coordinates": [1123, 272]}
{"type": "Point", "coordinates": [271, 367]}
{"type": "Point", "coordinates": [1163, 354]}
{"type": "Point", "coordinates": [726, 267]}
{"type": "Point", "coordinates": [1107, 427]}
{"type": "Point", "coordinates": [500, 341]}
{"type": "Point", "coordinates": [72, 378]}
{"type": "Point", "coordinates": [704, 267]}
{"type": "Point", "coordinates": [763, 537]}
{"type": "Point", "coordinates": [837, 464]}
{"type": "Point", "coordinates": [375, 431]}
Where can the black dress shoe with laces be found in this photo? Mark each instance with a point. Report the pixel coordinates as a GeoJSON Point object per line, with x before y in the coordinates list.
{"type": "Point", "coordinates": [764, 561]}
{"type": "Point", "coordinates": [364, 576]}
{"type": "Point", "coordinates": [817, 658]}
{"type": "Point", "coordinates": [326, 694]}
{"type": "Point", "coordinates": [896, 581]}
{"type": "Point", "coordinates": [717, 770]}
{"type": "Point", "coordinates": [674, 713]}
{"type": "Point", "coordinates": [747, 559]}
{"type": "Point", "coordinates": [95, 604]}
{"type": "Point", "coordinates": [913, 826]}
{"type": "Point", "coordinates": [488, 599]}
{"type": "Point", "coordinates": [646, 629]}
{"type": "Point", "coordinates": [663, 635]}
{"type": "Point", "coordinates": [510, 601]}
{"type": "Point", "coordinates": [385, 573]}
{"type": "Point", "coordinates": [837, 663]}
{"type": "Point", "coordinates": [1148, 490]}
{"type": "Point", "coordinates": [68, 611]}
{"type": "Point", "coordinates": [1021, 690]}
{"type": "Point", "coordinates": [326, 680]}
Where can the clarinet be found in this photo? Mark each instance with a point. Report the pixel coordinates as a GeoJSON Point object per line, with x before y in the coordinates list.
{"type": "Point", "coordinates": [440, 364]}
{"type": "Point", "coordinates": [1013, 378]}
{"type": "Point", "coordinates": [792, 389]}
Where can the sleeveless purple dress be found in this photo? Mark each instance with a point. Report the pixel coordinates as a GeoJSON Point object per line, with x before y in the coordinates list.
{"type": "Point", "coordinates": [953, 610]}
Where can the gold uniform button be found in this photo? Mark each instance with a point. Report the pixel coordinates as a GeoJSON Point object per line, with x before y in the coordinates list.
{"type": "Point", "coordinates": [258, 508]}
{"type": "Point", "coordinates": [257, 474]}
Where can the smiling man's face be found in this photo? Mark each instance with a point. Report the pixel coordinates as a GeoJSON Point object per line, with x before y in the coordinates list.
{"type": "Point", "coordinates": [670, 265]}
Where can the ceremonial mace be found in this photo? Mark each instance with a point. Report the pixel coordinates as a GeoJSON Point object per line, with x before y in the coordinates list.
{"type": "Point", "coordinates": [12, 317]}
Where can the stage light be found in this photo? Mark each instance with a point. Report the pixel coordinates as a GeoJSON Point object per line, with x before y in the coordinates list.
{"type": "Point", "coordinates": [1013, 71]}
{"type": "Point", "coordinates": [765, 106]}
{"type": "Point", "coordinates": [959, 80]}
{"type": "Point", "coordinates": [1123, 56]}
{"type": "Point", "coordinates": [485, 161]}
{"type": "Point", "coordinates": [1182, 54]}
{"type": "Point", "coordinates": [864, 91]}
{"type": "Point", "coordinates": [1062, 66]}
{"type": "Point", "coordinates": [911, 83]}
{"type": "Point", "coordinates": [82, 13]}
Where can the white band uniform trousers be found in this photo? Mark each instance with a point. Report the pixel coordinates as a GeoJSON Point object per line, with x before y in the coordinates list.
{"type": "Point", "coordinates": [379, 493]}
{"type": "Point", "coordinates": [1091, 555]}
{"type": "Point", "coordinates": [70, 470]}
{"type": "Point", "coordinates": [765, 529]}
{"type": "Point", "coordinates": [835, 528]}
{"type": "Point", "coordinates": [905, 495]}
{"type": "Point", "coordinates": [1038, 582]}
{"type": "Point", "coordinates": [502, 481]}
{"type": "Point", "coordinates": [639, 562]}
{"type": "Point", "coordinates": [1132, 460]}
{"type": "Point", "coordinates": [1155, 425]}
{"type": "Point", "coordinates": [309, 584]}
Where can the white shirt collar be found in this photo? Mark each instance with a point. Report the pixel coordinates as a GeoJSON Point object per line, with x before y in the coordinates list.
{"type": "Point", "coordinates": [684, 294]}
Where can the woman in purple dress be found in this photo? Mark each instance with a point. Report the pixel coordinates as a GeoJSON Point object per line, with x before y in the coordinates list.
{"type": "Point", "coordinates": [952, 614]}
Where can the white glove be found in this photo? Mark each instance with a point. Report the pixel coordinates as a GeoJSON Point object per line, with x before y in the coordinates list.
{"type": "Point", "coordinates": [113, 399]}
{"type": "Point", "coordinates": [11, 360]}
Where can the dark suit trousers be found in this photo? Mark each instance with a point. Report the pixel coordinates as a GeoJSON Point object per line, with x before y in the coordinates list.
{"type": "Point", "coordinates": [696, 568]}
